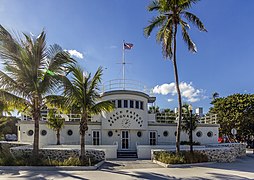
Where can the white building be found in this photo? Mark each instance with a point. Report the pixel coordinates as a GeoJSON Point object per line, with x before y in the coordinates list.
{"type": "Point", "coordinates": [128, 126]}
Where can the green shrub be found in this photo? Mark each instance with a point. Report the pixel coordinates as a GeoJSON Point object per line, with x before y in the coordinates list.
{"type": "Point", "coordinates": [169, 158]}
{"type": "Point", "coordinates": [185, 157]}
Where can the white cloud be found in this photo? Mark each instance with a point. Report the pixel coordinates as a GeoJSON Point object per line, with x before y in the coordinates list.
{"type": "Point", "coordinates": [75, 53]}
{"type": "Point", "coordinates": [164, 89]}
{"type": "Point", "coordinates": [170, 100]}
{"type": "Point", "coordinates": [188, 92]}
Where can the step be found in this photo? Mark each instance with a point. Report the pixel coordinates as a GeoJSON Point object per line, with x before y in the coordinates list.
{"type": "Point", "coordinates": [127, 154]}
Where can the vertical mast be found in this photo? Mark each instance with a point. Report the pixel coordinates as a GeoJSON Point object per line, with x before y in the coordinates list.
{"type": "Point", "coordinates": [123, 64]}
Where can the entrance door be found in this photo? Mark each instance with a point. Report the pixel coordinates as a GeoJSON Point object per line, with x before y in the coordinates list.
{"type": "Point", "coordinates": [125, 140]}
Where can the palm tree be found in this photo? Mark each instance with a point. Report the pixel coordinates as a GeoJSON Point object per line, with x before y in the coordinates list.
{"type": "Point", "coordinates": [55, 122]}
{"type": "Point", "coordinates": [31, 71]}
{"type": "Point", "coordinates": [189, 124]}
{"type": "Point", "coordinates": [215, 95]}
{"type": "Point", "coordinates": [82, 93]}
{"type": "Point", "coordinates": [170, 18]}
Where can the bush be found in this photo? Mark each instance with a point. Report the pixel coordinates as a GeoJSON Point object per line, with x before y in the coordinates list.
{"type": "Point", "coordinates": [185, 157]}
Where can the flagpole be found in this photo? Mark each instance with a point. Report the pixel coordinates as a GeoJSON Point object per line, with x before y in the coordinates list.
{"type": "Point", "coordinates": [123, 63]}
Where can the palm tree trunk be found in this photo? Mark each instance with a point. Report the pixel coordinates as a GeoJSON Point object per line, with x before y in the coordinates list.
{"type": "Point", "coordinates": [58, 137]}
{"type": "Point", "coordinates": [178, 134]}
{"type": "Point", "coordinates": [82, 148]}
{"type": "Point", "coordinates": [83, 129]}
{"type": "Point", "coordinates": [36, 117]}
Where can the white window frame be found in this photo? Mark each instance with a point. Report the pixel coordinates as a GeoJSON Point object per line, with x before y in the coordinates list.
{"type": "Point", "coordinates": [153, 138]}
{"type": "Point", "coordinates": [96, 138]}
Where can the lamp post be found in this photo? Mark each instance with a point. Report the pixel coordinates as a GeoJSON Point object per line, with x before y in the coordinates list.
{"type": "Point", "coordinates": [190, 133]}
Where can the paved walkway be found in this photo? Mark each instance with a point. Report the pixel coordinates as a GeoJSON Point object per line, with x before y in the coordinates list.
{"type": "Point", "coordinates": [242, 168]}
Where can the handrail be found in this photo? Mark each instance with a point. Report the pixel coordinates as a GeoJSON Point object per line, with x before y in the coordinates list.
{"type": "Point", "coordinates": [124, 84]}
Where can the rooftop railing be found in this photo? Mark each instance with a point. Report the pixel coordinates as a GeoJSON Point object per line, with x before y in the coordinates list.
{"type": "Point", "coordinates": [172, 118]}
{"type": "Point", "coordinates": [125, 84]}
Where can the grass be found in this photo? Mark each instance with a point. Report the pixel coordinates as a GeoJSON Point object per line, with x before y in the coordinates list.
{"type": "Point", "coordinates": [185, 157]}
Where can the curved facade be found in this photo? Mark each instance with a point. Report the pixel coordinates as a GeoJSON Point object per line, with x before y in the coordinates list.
{"type": "Point", "coordinates": [128, 126]}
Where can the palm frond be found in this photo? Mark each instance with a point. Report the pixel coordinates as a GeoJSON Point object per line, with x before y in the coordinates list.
{"type": "Point", "coordinates": [154, 5]}
{"type": "Point", "coordinates": [186, 4]}
{"type": "Point", "coordinates": [155, 22]}
{"type": "Point", "coordinates": [13, 100]}
{"type": "Point", "coordinates": [195, 21]}
{"type": "Point", "coordinates": [58, 63]}
{"type": "Point", "coordinates": [104, 106]}
{"type": "Point", "coordinates": [55, 121]}
{"type": "Point", "coordinates": [7, 42]}
{"type": "Point", "coordinates": [71, 92]}
{"type": "Point", "coordinates": [56, 102]}
{"type": "Point", "coordinates": [94, 84]}
{"type": "Point", "coordinates": [191, 45]}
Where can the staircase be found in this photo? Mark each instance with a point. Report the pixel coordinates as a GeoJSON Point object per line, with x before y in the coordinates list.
{"type": "Point", "coordinates": [127, 154]}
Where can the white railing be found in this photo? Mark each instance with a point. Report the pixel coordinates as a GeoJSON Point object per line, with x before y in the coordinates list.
{"type": "Point", "coordinates": [172, 118]}
{"type": "Point", "coordinates": [124, 84]}
{"type": "Point", "coordinates": [209, 119]}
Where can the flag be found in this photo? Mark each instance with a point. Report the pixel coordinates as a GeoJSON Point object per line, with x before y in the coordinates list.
{"type": "Point", "coordinates": [127, 45]}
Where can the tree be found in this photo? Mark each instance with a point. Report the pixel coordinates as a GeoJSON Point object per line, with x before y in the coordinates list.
{"type": "Point", "coordinates": [30, 72]}
{"type": "Point", "coordinates": [7, 122]}
{"type": "Point", "coordinates": [190, 122]}
{"type": "Point", "coordinates": [154, 109]}
{"type": "Point", "coordinates": [8, 126]}
{"type": "Point", "coordinates": [55, 122]}
{"type": "Point", "coordinates": [82, 93]}
{"type": "Point", "coordinates": [171, 14]}
{"type": "Point", "coordinates": [235, 111]}
{"type": "Point", "coordinates": [215, 95]}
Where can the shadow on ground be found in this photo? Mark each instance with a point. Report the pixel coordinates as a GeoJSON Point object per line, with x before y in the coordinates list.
{"type": "Point", "coordinates": [237, 165]}
{"type": "Point", "coordinates": [42, 175]}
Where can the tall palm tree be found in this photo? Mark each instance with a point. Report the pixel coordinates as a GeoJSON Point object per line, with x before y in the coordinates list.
{"type": "Point", "coordinates": [30, 72]}
{"type": "Point", "coordinates": [171, 17]}
{"type": "Point", "coordinates": [55, 122]}
{"type": "Point", "coordinates": [82, 93]}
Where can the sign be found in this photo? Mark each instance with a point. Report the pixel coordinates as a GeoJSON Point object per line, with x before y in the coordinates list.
{"type": "Point", "coordinates": [234, 131]}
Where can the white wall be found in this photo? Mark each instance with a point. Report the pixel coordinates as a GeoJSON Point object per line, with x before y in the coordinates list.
{"type": "Point", "coordinates": [170, 139]}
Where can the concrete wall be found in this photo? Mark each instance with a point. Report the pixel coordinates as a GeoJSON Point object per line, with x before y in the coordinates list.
{"type": "Point", "coordinates": [215, 153]}
{"type": "Point", "coordinates": [171, 129]}
{"type": "Point", "coordinates": [144, 151]}
{"type": "Point", "coordinates": [57, 154]}
{"type": "Point", "coordinates": [109, 150]}
{"type": "Point", "coordinates": [6, 145]}
{"type": "Point", "coordinates": [74, 138]}
{"type": "Point", "coordinates": [50, 137]}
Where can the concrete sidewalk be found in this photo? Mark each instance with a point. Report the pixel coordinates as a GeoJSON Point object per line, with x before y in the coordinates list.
{"type": "Point", "coordinates": [128, 164]}
{"type": "Point", "coordinates": [242, 168]}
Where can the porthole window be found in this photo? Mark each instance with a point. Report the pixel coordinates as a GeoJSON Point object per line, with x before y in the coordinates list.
{"type": "Point", "coordinates": [69, 132]}
{"type": "Point", "coordinates": [110, 133]}
{"type": "Point", "coordinates": [43, 132]}
{"type": "Point", "coordinates": [210, 134]}
{"type": "Point", "coordinates": [165, 133]}
{"type": "Point", "coordinates": [30, 132]}
{"type": "Point", "coordinates": [199, 134]}
{"type": "Point", "coordinates": [139, 133]}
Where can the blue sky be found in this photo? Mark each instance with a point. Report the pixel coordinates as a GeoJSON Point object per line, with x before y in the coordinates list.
{"type": "Point", "coordinates": [224, 62]}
